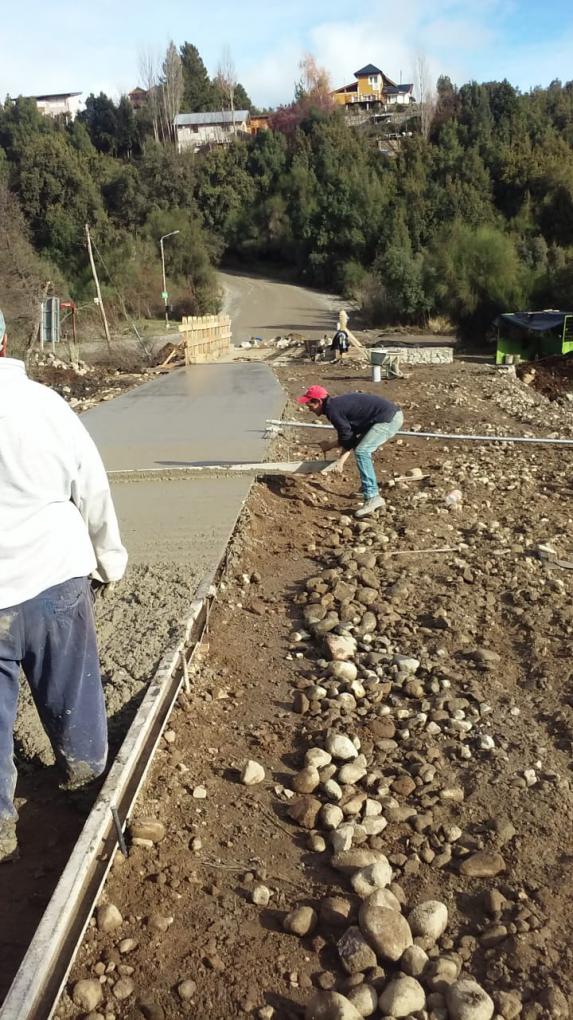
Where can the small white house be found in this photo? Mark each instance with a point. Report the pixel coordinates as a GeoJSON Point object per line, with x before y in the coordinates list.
{"type": "Point", "coordinates": [219, 127]}
{"type": "Point", "coordinates": [59, 104]}
{"type": "Point", "coordinates": [399, 95]}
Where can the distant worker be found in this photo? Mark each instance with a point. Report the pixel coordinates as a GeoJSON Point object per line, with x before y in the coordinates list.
{"type": "Point", "coordinates": [363, 422]}
{"type": "Point", "coordinates": [58, 528]}
{"type": "Point", "coordinates": [340, 344]}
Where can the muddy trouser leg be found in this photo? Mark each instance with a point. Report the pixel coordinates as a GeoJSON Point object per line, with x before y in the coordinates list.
{"type": "Point", "coordinates": [61, 664]}
{"type": "Point", "coordinates": [9, 673]}
{"type": "Point", "coordinates": [375, 437]}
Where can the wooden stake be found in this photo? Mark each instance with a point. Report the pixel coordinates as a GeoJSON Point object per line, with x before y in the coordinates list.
{"type": "Point", "coordinates": [95, 276]}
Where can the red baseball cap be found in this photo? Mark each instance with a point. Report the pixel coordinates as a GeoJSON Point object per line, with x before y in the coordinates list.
{"type": "Point", "coordinates": [313, 393]}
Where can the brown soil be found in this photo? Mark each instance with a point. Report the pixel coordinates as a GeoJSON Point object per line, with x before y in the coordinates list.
{"type": "Point", "coordinates": [491, 590]}
{"type": "Point", "coordinates": [553, 377]}
{"type": "Point", "coordinates": [83, 386]}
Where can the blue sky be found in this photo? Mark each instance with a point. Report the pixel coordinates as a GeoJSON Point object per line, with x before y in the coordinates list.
{"type": "Point", "coordinates": [75, 46]}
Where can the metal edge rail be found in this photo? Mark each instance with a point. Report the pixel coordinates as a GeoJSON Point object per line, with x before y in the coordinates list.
{"type": "Point", "coordinates": [40, 979]}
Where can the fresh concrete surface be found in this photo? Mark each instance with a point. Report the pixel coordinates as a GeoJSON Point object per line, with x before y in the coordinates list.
{"type": "Point", "coordinates": [184, 522]}
{"type": "Point", "coordinates": [201, 414]}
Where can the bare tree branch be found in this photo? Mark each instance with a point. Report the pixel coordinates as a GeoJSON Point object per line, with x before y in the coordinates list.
{"type": "Point", "coordinates": [226, 79]}
{"type": "Point", "coordinates": [147, 63]}
{"type": "Point", "coordinates": [171, 89]}
{"type": "Point", "coordinates": [424, 88]}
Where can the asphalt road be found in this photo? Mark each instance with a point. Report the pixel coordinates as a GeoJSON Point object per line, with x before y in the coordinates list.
{"type": "Point", "coordinates": [269, 308]}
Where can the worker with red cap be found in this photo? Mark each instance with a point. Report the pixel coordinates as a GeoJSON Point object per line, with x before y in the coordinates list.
{"type": "Point", "coordinates": [363, 422]}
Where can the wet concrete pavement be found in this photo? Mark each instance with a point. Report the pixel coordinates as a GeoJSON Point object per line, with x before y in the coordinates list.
{"type": "Point", "coordinates": [206, 413]}
{"type": "Point", "coordinates": [201, 414]}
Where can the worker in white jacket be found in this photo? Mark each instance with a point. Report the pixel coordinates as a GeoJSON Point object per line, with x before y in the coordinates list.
{"type": "Point", "coordinates": [58, 530]}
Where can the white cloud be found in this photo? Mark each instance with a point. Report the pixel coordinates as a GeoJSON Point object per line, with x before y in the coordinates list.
{"type": "Point", "coordinates": [448, 36]}
{"type": "Point", "coordinates": [457, 37]}
{"type": "Point", "coordinates": [92, 47]}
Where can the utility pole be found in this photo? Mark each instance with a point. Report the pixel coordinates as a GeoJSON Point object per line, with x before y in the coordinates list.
{"type": "Point", "coordinates": [165, 295]}
{"type": "Point", "coordinates": [99, 298]}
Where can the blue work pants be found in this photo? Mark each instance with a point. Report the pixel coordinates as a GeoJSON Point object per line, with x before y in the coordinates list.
{"type": "Point", "coordinates": [375, 437]}
{"type": "Point", "coordinates": [52, 637]}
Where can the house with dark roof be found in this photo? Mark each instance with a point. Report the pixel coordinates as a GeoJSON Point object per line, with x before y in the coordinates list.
{"type": "Point", "coordinates": [138, 97]}
{"type": "Point", "coordinates": [373, 89]}
{"type": "Point", "coordinates": [219, 127]}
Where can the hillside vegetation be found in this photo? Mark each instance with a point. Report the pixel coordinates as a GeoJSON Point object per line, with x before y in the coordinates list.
{"type": "Point", "coordinates": [474, 218]}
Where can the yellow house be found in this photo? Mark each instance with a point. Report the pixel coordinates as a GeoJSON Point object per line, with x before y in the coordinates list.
{"type": "Point", "coordinates": [373, 87]}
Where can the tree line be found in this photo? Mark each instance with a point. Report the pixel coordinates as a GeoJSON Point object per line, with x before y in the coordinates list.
{"type": "Point", "coordinates": [473, 215]}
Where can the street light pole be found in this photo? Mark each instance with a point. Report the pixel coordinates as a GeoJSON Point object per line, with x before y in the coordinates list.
{"type": "Point", "coordinates": [165, 294]}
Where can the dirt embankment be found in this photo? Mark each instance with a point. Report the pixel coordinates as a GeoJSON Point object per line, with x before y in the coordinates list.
{"type": "Point", "coordinates": [453, 702]}
{"type": "Point", "coordinates": [553, 377]}
{"type": "Point", "coordinates": [83, 385]}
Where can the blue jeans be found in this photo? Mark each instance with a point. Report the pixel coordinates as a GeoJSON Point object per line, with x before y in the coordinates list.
{"type": "Point", "coordinates": [375, 437]}
{"type": "Point", "coordinates": [52, 637]}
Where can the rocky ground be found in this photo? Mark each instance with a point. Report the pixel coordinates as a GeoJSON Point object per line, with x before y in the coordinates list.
{"type": "Point", "coordinates": [364, 806]}
{"type": "Point", "coordinates": [83, 385]}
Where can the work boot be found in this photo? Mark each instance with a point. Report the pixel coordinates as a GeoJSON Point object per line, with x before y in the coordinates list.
{"type": "Point", "coordinates": [8, 843]}
{"type": "Point", "coordinates": [370, 506]}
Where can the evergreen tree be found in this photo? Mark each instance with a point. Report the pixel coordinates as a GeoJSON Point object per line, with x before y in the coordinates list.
{"type": "Point", "coordinates": [198, 92]}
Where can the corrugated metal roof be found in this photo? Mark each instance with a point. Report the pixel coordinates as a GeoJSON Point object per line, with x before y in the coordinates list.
{"type": "Point", "coordinates": [214, 117]}
{"type": "Point", "coordinates": [57, 95]}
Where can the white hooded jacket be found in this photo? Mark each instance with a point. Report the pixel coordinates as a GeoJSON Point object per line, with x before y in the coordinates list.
{"type": "Point", "coordinates": [57, 518]}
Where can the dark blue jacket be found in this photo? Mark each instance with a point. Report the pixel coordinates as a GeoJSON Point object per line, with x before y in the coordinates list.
{"type": "Point", "coordinates": [353, 414]}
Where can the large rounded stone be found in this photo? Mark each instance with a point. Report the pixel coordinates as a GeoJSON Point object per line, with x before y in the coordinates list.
{"type": "Point", "coordinates": [317, 757]}
{"type": "Point", "coordinates": [337, 911]}
{"type": "Point", "coordinates": [87, 994]}
{"type": "Point", "coordinates": [466, 1000]}
{"type": "Point", "coordinates": [307, 780]}
{"type": "Point", "coordinates": [346, 671]}
{"type": "Point", "coordinates": [330, 1006]}
{"type": "Point", "coordinates": [364, 998]}
{"type": "Point", "coordinates": [349, 861]}
{"type": "Point", "coordinates": [339, 648]}
{"type": "Point", "coordinates": [147, 828]}
{"type": "Point", "coordinates": [483, 864]}
{"type": "Point", "coordinates": [108, 917]}
{"type": "Point", "coordinates": [414, 961]}
{"type": "Point", "coordinates": [384, 898]}
{"type": "Point", "coordinates": [351, 773]}
{"type": "Point", "coordinates": [374, 876]}
{"type": "Point", "coordinates": [401, 997]}
{"type": "Point", "coordinates": [252, 773]}
{"type": "Point", "coordinates": [331, 816]}
{"type": "Point", "coordinates": [387, 931]}
{"type": "Point", "coordinates": [341, 747]}
{"type": "Point", "coordinates": [305, 811]}
{"type": "Point", "coordinates": [301, 921]}
{"type": "Point", "coordinates": [429, 919]}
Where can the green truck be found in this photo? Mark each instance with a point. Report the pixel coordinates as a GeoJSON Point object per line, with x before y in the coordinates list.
{"type": "Point", "coordinates": [529, 336]}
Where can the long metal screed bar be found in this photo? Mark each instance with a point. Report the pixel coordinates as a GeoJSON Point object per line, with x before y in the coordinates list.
{"type": "Point", "coordinates": [539, 440]}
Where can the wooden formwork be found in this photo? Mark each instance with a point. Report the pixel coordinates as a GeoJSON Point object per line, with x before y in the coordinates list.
{"type": "Point", "coordinates": [206, 337]}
